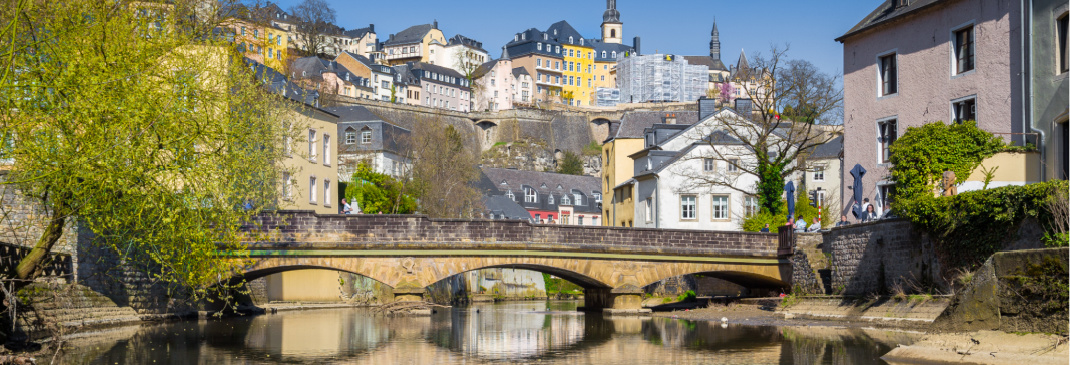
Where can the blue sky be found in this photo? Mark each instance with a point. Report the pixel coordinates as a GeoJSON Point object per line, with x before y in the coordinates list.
{"type": "Point", "coordinates": [668, 26]}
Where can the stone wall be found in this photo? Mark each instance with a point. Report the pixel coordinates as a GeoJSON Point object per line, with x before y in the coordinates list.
{"type": "Point", "coordinates": [22, 221]}
{"type": "Point", "coordinates": [881, 256]}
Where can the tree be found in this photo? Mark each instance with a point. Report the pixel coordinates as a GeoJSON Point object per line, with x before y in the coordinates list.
{"type": "Point", "coordinates": [376, 192]}
{"type": "Point", "coordinates": [314, 22]}
{"type": "Point", "coordinates": [570, 164]}
{"type": "Point", "coordinates": [133, 119]}
{"type": "Point", "coordinates": [775, 148]}
{"type": "Point", "coordinates": [444, 171]}
{"type": "Point", "coordinates": [467, 62]}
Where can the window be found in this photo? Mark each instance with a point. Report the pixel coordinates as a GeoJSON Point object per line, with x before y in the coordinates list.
{"type": "Point", "coordinates": [687, 207]}
{"type": "Point", "coordinates": [720, 207]}
{"type": "Point", "coordinates": [530, 195]}
{"type": "Point", "coordinates": [312, 145]}
{"type": "Point", "coordinates": [819, 173]}
{"type": "Point", "coordinates": [1063, 52]}
{"type": "Point", "coordinates": [365, 137]}
{"type": "Point", "coordinates": [648, 206]}
{"type": "Point", "coordinates": [538, 46]}
{"type": "Point", "coordinates": [550, 199]}
{"type": "Point", "coordinates": [579, 198]}
{"type": "Point", "coordinates": [963, 110]}
{"type": "Point", "coordinates": [326, 193]}
{"type": "Point", "coordinates": [750, 205]}
{"type": "Point", "coordinates": [733, 165]}
{"type": "Point", "coordinates": [579, 220]}
{"type": "Point", "coordinates": [708, 165]}
{"type": "Point", "coordinates": [326, 150]}
{"type": "Point", "coordinates": [963, 51]}
{"type": "Point", "coordinates": [286, 185]}
{"type": "Point", "coordinates": [603, 54]}
{"type": "Point", "coordinates": [510, 195]}
{"type": "Point", "coordinates": [565, 200]}
{"type": "Point", "coordinates": [888, 75]}
{"type": "Point", "coordinates": [538, 63]}
{"type": "Point", "coordinates": [887, 196]}
{"type": "Point", "coordinates": [886, 135]}
{"type": "Point", "coordinates": [312, 190]}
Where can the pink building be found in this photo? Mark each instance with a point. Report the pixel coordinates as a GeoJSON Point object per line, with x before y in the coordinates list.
{"type": "Point", "coordinates": [912, 62]}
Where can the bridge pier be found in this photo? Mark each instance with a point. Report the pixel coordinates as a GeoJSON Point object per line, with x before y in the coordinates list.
{"type": "Point", "coordinates": [408, 294]}
{"type": "Point", "coordinates": [627, 300]}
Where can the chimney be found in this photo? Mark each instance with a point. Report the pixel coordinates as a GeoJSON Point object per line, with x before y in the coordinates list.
{"type": "Point", "coordinates": [670, 118]}
{"type": "Point", "coordinates": [371, 27]}
{"type": "Point", "coordinates": [635, 46]}
{"type": "Point", "coordinates": [435, 24]}
{"type": "Point", "coordinates": [706, 107]}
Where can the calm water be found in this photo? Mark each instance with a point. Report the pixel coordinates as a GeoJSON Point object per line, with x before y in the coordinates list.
{"type": "Point", "coordinates": [526, 332]}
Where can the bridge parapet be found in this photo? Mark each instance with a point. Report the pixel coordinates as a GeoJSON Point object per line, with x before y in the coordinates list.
{"type": "Point", "coordinates": [306, 229]}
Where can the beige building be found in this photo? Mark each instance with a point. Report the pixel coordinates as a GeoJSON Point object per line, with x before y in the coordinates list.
{"type": "Point", "coordinates": [413, 44]}
{"type": "Point", "coordinates": [311, 182]}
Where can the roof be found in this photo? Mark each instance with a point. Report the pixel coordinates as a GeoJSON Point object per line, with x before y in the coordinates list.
{"type": "Point", "coordinates": [609, 48]}
{"type": "Point", "coordinates": [561, 31]}
{"type": "Point", "coordinates": [405, 75]}
{"type": "Point", "coordinates": [831, 149]}
{"type": "Point", "coordinates": [518, 71]}
{"type": "Point", "coordinates": [369, 63]}
{"type": "Point", "coordinates": [436, 68]}
{"type": "Point", "coordinates": [709, 62]}
{"type": "Point", "coordinates": [502, 205]}
{"type": "Point", "coordinates": [354, 113]}
{"type": "Point", "coordinates": [514, 179]}
{"type": "Point", "coordinates": [462, 40]}
{"type": "Point", "coordinates": [359, 32]}
{"type": "Point", "coordinates": [277, 83]}
{"type": "Point", "coordinates": [633, 123]}
{"type": "Point", "coordinates": [483, 69]}
{"type": "Point", "coordinates": [886, 12]}
{"type": "Point", "coordinates": [413, 34]}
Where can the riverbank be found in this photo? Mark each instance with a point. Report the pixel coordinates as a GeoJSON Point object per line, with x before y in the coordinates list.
{"type": "Point", "coordinates": [770, 312]}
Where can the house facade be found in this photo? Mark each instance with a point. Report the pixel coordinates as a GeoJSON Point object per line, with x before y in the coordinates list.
{"type": "Point", "coordinates": [442, 87]}
{"type": "Point", "coordinates": [460, 53]}
{"type": "Point", "coordinates": [549, 197]}
{"type": "Point", "coordinates": [909, 63]}
{"type": "Point", "coordinates": [412, 44]}
{"type": "Point", "coordinates": [495, 85]}
{"type": "Point", "coordinates": [541, 57]}
{"type": "Point", "coordinates": [364, 137]}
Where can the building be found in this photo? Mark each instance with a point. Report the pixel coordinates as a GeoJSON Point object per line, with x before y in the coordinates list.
{"type": "Point", "coordinates": [361, 41]}
{"type": "Point", "coordinates": [331, 79]}
{"type": "Point", "coordinates": [718, 73]}
{"type": "Point", "coordinates": [380, 77]}
{"type": "Point", "coordinates": [577, 64]}
{"type": "Point", "coordinates": [256, 36]}
{"type": "Point", "coordinates": [502, 207]}
{"type": "Point", "coordinates": [909, 63]}
{"type": "Point", "coordinates": [442, 87]}
{"type": "Point", "coordinates": [549, 197]}
{"type": "Point", "coordinates": [660, 78]}
{"type": "Point", "coordinates": [672, 176]}
{"type": "Point", "coordinates": [367, 138]}
{"type": "Point", "coordinates": [412, 44]}
{"type": "Point", "coordinates": [495, 85]}
{"type": "Point", "coordinates": [407, 85]}
{"type": "Point", "coordinates": [626, 138]}
{"type": "Point", "coordinates": [541, 58]}
{"type": "Point", "coordinates": [460, 53]}
{"type": "Point", "coordinates": [821, 180]}
{"type": "Point", "coordinates": [525, 87]}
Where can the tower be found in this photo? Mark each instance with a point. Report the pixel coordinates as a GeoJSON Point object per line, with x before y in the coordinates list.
{"type": "Point", "coordinates": [611, 25]}
{"type": "Point", "coordinates": [715, 42]}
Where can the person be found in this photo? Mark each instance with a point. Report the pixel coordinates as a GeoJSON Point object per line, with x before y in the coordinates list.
{"type": "Point", "coordinates": [871, 214]}
{"type": "Point", "coordinates": [843, 221]}
{"type": "Point", "coordinates": [346, 208]}
{"type": "Point", "coordinates": [800, 224]}
{"type": "Point", "coordinates": [865, 205]}
{"type": "Point", "coordinates": [766, 228]}
{"type": "Point", "coordinates": [816, 226]}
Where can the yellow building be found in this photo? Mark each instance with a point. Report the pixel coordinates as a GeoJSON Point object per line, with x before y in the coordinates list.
{"type": "Point", "coordinates": [577, 69]}
{"type": "Point", "coordinates": [627, 138]}
{"type": "Point", "coordinates": [311, 180]}
{"type": "Point", "coordinates": [413, 44]}
{"type": "Point", "coordinates": [257, 38]}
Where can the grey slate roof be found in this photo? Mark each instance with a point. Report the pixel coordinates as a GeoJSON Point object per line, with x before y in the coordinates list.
{"type": "Point", "coordinates": [413, 34]}
{"type": "Point", "coordinates": [829, 150]}
{"type": "Point", "coordinates": [353, 114]}
{"type": "Point", "coordinates": [277, 83]}
{"type": "Point", "coordinates": [518, 71]}
{"type": "Point", "coordinates": [565, 30]}
{"type": "Point", "coordinates": [709, 62]}
{"type": "Point", "coordinates": [886, 12]}
{"type": "Point", "coordinates": [359, 32]}
{"type": "Point", "coordinates": [609, 48]}
{"type": "Point", "coordinates": [460, 39]}
{"type": "Point", "coordinates": [500, 205]}
{"type": "Point", "coordinates": [546, 183]}
{"type": "Point", "coordinates": [633, 123]}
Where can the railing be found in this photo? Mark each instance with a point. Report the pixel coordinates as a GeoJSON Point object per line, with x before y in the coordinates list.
{"type": "Point", "coordinates": [56, 265]}
{"type": "Point", "coordinates": [786, 241]}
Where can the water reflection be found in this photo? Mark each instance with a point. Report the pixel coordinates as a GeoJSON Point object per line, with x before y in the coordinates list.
{"type": "Point", "coordinates": [517, 332]}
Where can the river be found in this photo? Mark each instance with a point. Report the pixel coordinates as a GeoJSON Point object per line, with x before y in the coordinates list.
{"type": "Point", "coordinates": [520, 332]}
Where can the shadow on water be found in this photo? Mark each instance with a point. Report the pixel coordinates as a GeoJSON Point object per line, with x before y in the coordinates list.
{"type": "Point", "coordinates": [550, 332]}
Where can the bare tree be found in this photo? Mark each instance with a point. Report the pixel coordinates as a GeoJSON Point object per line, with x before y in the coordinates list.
{"type": "Point", "coordinates": [444, 171]}
{"type": "Point", "coordinates": [764, 142]}
{"type": "Point", "coordinates": [314, 22]}
{"type": "Point", "coordinates": [467, 62]}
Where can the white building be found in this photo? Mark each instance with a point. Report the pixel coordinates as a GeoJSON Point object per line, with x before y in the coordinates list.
{"type": "Point", "coordinates": [366, 137]}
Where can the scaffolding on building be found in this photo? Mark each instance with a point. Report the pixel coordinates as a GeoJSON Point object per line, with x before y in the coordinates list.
{"type": "Point", "coordinates": [658, 78]}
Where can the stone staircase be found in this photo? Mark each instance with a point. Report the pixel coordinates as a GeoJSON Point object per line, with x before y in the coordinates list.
{"type": "Point", "coordinates": [72, 306]}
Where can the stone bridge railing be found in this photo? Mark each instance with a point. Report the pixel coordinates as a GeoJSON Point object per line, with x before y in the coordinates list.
{"type": "Point", "coordinates": [56, 265]}
{"type": "Point", "coordinates": [305, 229]}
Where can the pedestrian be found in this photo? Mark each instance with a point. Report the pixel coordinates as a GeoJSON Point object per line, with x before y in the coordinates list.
{"type": "Point", "coordinates": [865, 205]}
{"type": "Point", "coordinates": [800, 224]}
{"type": "Point", "coordinates": [766, 228]}
{"type": "Point", "coordinates": [346, 208]}
{"type": "Point", "coordinates": [871, 214]}
{"type": "Point", "coordinates": [816, 226]}
{"type": "Point", "coordinates": [843, 221]}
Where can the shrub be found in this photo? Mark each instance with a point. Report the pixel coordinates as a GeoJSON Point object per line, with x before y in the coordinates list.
{"type": "Point", "coordinates": [688, 295]}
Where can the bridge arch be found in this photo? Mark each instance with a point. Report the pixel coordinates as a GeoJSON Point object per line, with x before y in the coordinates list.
{"type": "Point", "coordinates": [599, 128]}
{"type": "Point", "coordinates": [489, 130]}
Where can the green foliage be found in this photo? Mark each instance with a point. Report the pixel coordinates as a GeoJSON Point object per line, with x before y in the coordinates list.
{"type": "Point", "coordinates": [376, 192]}
{"type": "Point", "coordinates": [560, 286]}
{"type": "Point", "coordinates": [688, 295]}
{"type": "Point", "coordinates": [973, 225]}
{"type": "Point", "coordinates": [592, 149]}
{"type": "Point", "coordinates": [756, 222]}
{"type": "Point", "coordinates": [1056, 239]}
{"type": "Point", "coordinates": [990, 173]}
{"type": "Point", "coordinates": [770, 186]}
{"type": "Point", "coordinates": [570, 164]}
{"type": "Point", "coordinates": [922, 154]}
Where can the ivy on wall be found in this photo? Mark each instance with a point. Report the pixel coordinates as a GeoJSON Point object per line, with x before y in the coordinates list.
{"type": "Point", "coordinates": [921, 156]}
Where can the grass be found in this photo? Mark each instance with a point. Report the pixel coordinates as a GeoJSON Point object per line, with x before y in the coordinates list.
{"type": "Point", "coordinates": [592, 149]}
{"type": "Point", "coordinates": [560, 286]}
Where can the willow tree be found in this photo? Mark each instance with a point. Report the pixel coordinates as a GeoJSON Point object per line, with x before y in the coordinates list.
{"type": "Point", "coordinates": [138, 122]}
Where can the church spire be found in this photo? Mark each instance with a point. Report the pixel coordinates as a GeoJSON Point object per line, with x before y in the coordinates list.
{"type": "Point", "coordinates": [715, 42]}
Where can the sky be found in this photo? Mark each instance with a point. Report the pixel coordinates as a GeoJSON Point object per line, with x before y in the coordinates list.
{"type": "Point", "coordinates": [808, 27]}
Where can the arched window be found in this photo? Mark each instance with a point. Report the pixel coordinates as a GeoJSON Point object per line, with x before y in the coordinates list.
{"type": "Point", "coordinates": [612, 33]}
{"type": "Point", "coordinates": [530, 195]}
{"type": "Point", "coordinates": [550, 199]}
{"type": "Point", "coordinates": [569, 39]}
{"type": "Point", "coordinates": [603, 54]}
{"type": "Point", "coordinates": [614, 54]}
{"type": "Point", "coordinates": [565, 201]}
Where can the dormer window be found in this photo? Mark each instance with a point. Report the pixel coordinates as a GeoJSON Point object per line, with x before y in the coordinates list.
{"type": "Point", "coordinates": [565, 201]}
{"type": "Point", "coordinates": [516, 38]}
{"type": "Point", "coordinates": [614, 54]}
{"type": "Point", "coordinates": [530, 195]}
{"type": "Point", "coordinates": [550, 199]}
{"type": "Point", "coordinates": [555, 31]}
{"type": "Point", "coordinates": [569, 39]}
{"type": "Point", "coordinates": [603, 54]}
{"type": "Point", "coordinates": [504, 183]}
{"type": "Point", "coordinates": [545, 37]}
{"type": "Point", "coordinates": [523, 36]}
{"type": "Point", "coordinates": [510, 195]}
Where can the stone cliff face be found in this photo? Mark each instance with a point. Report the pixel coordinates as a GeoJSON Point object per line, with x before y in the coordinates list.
{"type": "Point", "coordinates": [534, 155]}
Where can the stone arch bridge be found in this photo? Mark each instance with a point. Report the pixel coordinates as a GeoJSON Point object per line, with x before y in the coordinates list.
{"type": "Point", "coordinates": [411, 252]}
